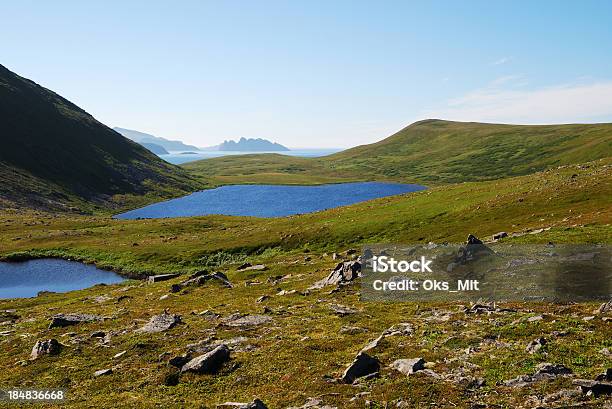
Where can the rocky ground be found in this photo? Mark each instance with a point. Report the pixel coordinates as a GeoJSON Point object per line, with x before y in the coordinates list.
{"type": "Point", "coordinates": [294, 333]}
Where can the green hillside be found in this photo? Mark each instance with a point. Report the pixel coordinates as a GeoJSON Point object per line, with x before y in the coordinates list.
{"type": "Point", "coordinates": [431, 152]}
{"type": "Point", "coordinates": [54, 155]}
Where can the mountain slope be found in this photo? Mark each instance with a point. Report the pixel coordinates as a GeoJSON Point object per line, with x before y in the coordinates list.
{"type": "Point", "coordinates": [142, 137]}
{"type": "Point", "coordinates": [431, 151]}
{"type": "Point", "coordinates": [155, 148]}
{"type": "Point", "coordinates": [55, 154]}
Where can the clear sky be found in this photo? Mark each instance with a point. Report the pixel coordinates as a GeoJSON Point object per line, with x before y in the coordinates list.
{"type": "Point", "coordinates": [312, 73]}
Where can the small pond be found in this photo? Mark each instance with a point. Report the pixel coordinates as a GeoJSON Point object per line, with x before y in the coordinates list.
{"type": "Point", "coordinates": [269, 200]}
{"type": "Point", "coordinates": [27, 278]}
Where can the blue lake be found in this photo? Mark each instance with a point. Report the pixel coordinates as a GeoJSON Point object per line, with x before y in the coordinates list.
{"type": "Point", "coordinates": [27, 278]}
{"type": "Point", "coordinates": [269, 200]}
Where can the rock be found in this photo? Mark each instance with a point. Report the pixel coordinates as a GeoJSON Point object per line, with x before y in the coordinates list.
{"type": "Point", "coordinates": [239, 320]}
{"type": "Point", "coordinates": [162, 322]}
{"type": "Point", "coordinates": [535, 345]}
{"type": "Point", "coordinates": [103, 372]}
{"type": "Point", "coordinates": [164, 297]}
{"type": "Point", "coordinates": [595, 388]}
{"type": "Point", "coordinates": [249, 267]}
{"type": "Point", "coordinates": [179, 361]}
{"type": "Point", "coordinates": [344, 273]}
{"type": "Point", "coordinates": [551, 369]}
{"type": "Point", "coordinates": [544, 371]}
{"type": "Point", "coordinates": [471, 239]}
{"type": "Point", "coordinates": [244, 266]}
{"type": "Point", "coordinates": [97, 334]}
{"type": "Point", "coordinates": [210, 362]}
{"type": "Point", "coordinates": [342, 310]}
{"type": "Point", "coordinates": [263, 298]}
{"type": "Point", "coordinates": [500, 235]}
{"type": "Point", "coordinates": [535, 318]}
{"type": "Point", "coordinates": [119, 354]}
{"type": "Point", "coordinates": [161, 277]}
{"type": "Point", "coordinates": [46, 347]}
{"type": "Point", "coordinates": [362, 365]}
{"type": "Point", "coordinates": [202, 278]}
{"type": "Point", "coordinates": [256, 404]}
{"type": "Point", "coordinates": [286, 292]}
{"type": "Point", "coordinates": [64, 320]}
{"type": "Point", "coordinates": [606, 376]}
{"type": "Point", "coordinates": [604, 308]}
{"type": "Point", "coordinates": [409, 366]}
{"type": "Point", "coordinates": [563, 394]}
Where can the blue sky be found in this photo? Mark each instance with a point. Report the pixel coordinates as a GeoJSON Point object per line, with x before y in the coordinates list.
{"type": "Point", "coordinates": [315, 73]}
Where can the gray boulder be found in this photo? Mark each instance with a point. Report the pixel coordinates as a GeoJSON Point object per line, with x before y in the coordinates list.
{"type": "Point", "coordinates": [46, 347]}
{"type": "Point", "coordinates": [362, 365]}
{"type": "Point", "coordinates": [210, 362]}
{"type": "Point", "coordinates": [343, 273]}
{"type": "Point", "coordinates": [160, 323]}
{"type": "Point", "coordinates": [65, 320]}
{"type": "Point", "coordinates": [409, 366]}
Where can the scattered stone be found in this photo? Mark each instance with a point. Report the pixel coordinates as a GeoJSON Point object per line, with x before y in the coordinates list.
{"type": "Point", "coordinates": [239, 320]}
{"type": "Point", "coordinates": [98, 334]}
{"type": "Point", "coordinates": [362, 365]}
{"type": "Point", "coordinates": [179, 361]}
{"type": "Point", "coordinates": [64, 320]}
{"type": "Point", "coordinates": [102, 298]}
{"type": "Point", "coordinates": [256, 404]}
{"type": "Point", "coordinates": [344, 273]}
{"type": "Point", "coordinates": [604, 308]}
{"type": "Point", "coordinates": [103, 372]}
{"type": "Point", "coordinates": [595, 388]}
{"type": "Point", "coordinates": [210, 362]}
{"type": "Point", "coordinates": [409, 366]}
{"type": "Point", "coordinates": [46, 347]}
{"type": "Point", "coordinates": [286, 292]}
{"type": "Point", "coordinates": [342, 310]}
{"type": "Point", "coordinates": [249, 267]}
{"type": "Point", "coordinates": [162, 322]}
{"type": "Point", "coordinates": [606, 376]}
{"type": "Point", "coordinates": [563, 394]}
{"type": "Point", "coordinates": [535, 318]}
{"type": "Point", "coordinates": [544, 371]}
{"type": "Point", "coordinates": [500, 235]}
{"type": "Point", "coordinates": [535, 345]}
{"type": "Point", "coordinates": [201, 278]}
{"type": "Point", "coordinates": [119, 355]}
{"type": "Point", "coordinates": [164, 297]}
{"type": "Point", "coordinates": [161, 277]}
{"type": "Point", "coordinates": [209, 315]}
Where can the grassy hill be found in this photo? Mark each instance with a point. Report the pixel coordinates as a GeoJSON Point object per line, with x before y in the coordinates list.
{"type": "Point", "coordinates": [431, 152]}
{"type": "Point", "coordinates": [54, 155]}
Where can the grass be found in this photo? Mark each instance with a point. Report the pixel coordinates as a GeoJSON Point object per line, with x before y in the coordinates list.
{"type": "Point", "coordinates": [574, 201]}
{"type": "Point", "coordinates": [432, 152]}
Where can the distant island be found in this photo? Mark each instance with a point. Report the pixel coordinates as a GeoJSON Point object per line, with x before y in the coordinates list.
{"type": "Point", "coordinates": [155, 148]}
{"type": "Point", "coordinates": [141, 137]}
{"type": "Point", "coordinates": [249, 145]}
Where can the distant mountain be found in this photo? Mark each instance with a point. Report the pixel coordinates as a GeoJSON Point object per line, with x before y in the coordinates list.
{"type": "Point", "coordinates": [54, 155]}
{"type": "Point", "coordinates": [249, 145]}
{"type": "Point", "coordinates": [155, 148]}
{"type": "Point", "coordinates": [142, 137]}
{"type": "Point", "coordinates": [430, 152]}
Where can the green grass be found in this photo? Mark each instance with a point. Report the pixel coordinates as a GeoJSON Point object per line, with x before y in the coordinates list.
{"type": "Point", "coordinates": [431, 152]}
{"type": "Point", "coordinates": [573, 201]}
